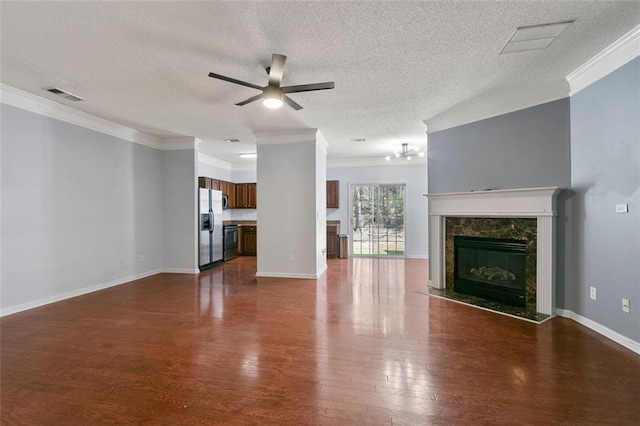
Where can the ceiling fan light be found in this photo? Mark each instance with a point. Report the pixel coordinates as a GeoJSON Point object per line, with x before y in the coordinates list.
{"type": "Point", "coordinates": [272, 97]}
{"type": "Point", "coordinates": [421, 154]}
{"type": "Point", "coordinates": [272, 103]}
{"type": "Point", "coordinates": [388, 157]}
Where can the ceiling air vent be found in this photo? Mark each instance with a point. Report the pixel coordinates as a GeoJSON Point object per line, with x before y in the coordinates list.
{"type": "Point", "coordinates": [234, 140]}
{"type": "Point", "coordinates": [65, 95]}
{"type": "Point", "coordinates": [534, 37]}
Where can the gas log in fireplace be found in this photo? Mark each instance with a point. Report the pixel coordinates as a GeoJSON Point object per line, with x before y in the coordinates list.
{"type": "Point", "coordinates": [490, 268]}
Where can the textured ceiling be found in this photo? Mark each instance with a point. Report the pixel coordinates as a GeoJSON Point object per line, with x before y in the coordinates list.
{"type": "Point", "coordinates": [395, 64]}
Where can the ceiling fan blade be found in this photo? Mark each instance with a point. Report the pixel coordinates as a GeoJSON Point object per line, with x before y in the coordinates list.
{"type": "Point", "coordinates": [251, 99]}
{"type": "Point", "coordinates": [233, 80]}
{"type": "Point", "coordinates": [308, 87]}
{"type": "Point", "coordinates": [291, 103]}
{"type": "Point", "coordinates": [276, 69]}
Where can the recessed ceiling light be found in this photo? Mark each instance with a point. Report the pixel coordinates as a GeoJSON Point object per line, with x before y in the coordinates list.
{"type": "Point", "coordinates": [249, 155]}
{"type": "Point", "coordinates": [534, 37]}
{"type": "Point", "coordinates": [232, 140]}
{"type": "Point", "coordinates": [358, 140]}
{"type": "Point", "coordinates": [65, 94]}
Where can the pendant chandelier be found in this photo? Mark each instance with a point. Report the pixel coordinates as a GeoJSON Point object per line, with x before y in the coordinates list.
{"type": "Point", "coordinates": [406, 153]}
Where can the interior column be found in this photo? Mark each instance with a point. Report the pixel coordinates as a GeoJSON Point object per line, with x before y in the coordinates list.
{"type": "Point", "coordinates": [291, 204]}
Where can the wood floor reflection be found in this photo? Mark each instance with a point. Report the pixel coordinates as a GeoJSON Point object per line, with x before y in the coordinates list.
{"type": "Point", "coordinates": [358, 346]}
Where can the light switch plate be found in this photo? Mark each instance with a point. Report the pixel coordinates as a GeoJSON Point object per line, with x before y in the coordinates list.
{"type": "Point", "coordinates": [622, 208]}
{"type": "Point", "coordinates": [593, 293]}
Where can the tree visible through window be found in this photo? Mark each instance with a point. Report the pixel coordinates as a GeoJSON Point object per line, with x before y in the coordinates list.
{"type": "Point", "coordinates": [377, 220]}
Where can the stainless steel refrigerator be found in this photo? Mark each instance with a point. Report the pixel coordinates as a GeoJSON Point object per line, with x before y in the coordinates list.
{"type": "Point", "coordinates": [210, 226]}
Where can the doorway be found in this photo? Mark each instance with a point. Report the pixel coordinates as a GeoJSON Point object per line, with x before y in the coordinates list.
{"type": "Point", "coordinates": [377, 220]}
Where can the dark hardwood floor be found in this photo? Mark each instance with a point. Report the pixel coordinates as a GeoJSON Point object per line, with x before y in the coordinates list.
{"type": "Point", "coordinates": [358, 346]}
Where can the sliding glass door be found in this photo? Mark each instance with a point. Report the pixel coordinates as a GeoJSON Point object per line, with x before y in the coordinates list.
{"type": "Point", "coordinates": [377, 220]}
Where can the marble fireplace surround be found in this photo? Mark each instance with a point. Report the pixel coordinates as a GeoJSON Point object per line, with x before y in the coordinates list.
{"type": "Point", "coordinates": [538, 203]}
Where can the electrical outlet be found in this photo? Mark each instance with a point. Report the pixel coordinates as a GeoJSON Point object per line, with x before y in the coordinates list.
{"type": "Point", "coordinates": [622, 208]}
{"type": "Point", "coordinates": [626, 306]}
{"type": "Point", "coordinates": [593, 293]}
{"type": "Point", "coordinates": [290, 258]}
{"type": "Point", "coordinates": [141, 258]}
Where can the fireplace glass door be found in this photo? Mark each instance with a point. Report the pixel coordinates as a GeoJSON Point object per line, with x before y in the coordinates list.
{"type": "Point", "coordinates": [490, 268]}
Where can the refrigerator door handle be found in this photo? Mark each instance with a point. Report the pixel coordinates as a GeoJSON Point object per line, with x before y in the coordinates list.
{"type": "Point", "coordinates": [211, 217]}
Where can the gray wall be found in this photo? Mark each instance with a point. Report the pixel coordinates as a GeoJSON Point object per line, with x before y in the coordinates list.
{"type": "Point", "coordinates": [219, 173]}
{"type": "Point", "coordinates": [413, 175]}
{"type": "Point", "coordinates": [287, 215]}
{"type": "Point", "coordinates": [605, 165]}
{"type": "Point", "coordinates": [79, 207]}
{"type": "Point", "coordinates": [179, 211]}
{"type": "Point", "coordinates": [523, 149]}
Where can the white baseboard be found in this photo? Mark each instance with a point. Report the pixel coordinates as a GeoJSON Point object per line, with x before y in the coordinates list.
{"type": "Point", "coordinates": [67, 295]}
{"type": "Point", "coordinates": [322, 270]}
{"type": "Point", "coordinates": [632, 345]}
{"type": "Point", "coordinates": [180, 271]}
{"type": "Point", "coordinates": [288, 275]}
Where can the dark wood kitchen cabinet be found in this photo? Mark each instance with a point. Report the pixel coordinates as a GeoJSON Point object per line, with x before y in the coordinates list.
{"type": "Point", "coordinates": [231, 194]}
{"type": "Point", "coordinates": [241, 195]}
{"type": "Point", "coordinates": [252, 193]}
{"type": "Point", "coordinates": [333, 194]}
{"type": "Point", "coordinates": [332, 240]}
{"type": "Point", "coordinates": [204, 182]}
{"type": "Point", "coordinates": [249, 240]}
{"type": "Point", "coordinates": [229, 189]}
{"type": "Point", "coordinates": [215, 184]}
{"type": "Point", "coordinates": [246, 195]}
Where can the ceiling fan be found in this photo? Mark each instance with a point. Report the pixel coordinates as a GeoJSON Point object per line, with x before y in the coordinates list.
{"type": "Point", "coordinates": [272, 94]}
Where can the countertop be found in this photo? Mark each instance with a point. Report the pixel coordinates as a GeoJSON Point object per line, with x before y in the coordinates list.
{"type": "Point", "coordinates": [255, 223]}
{"type": "Point", "coordinates": [240, 222]}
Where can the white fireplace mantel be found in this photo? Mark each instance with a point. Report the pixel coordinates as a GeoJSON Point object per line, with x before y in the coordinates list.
{"type": "Point", "coordinates": [539, 203]}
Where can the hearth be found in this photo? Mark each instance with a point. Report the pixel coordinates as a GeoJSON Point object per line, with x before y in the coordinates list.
{"type": "Point", "coordinates": [491, 268]}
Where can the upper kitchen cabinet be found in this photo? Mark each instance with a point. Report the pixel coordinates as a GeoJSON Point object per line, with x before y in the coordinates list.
{"type": "Point", "coordinates": [333, 194]}
{"type": "Point", "coordinates": [246, 195]}
{"type": "Point", "coordinates": [229, 189]}
{"type": "Point", "coordinates": [204, 182]}
{"type": "Point", "coordinates": [215, 184]}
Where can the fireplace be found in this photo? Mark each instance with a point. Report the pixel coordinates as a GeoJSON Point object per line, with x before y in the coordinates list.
{"type": "Point", "coordinates": [536, 204]}
{"type": "Point", "coordinates": [491, 268]}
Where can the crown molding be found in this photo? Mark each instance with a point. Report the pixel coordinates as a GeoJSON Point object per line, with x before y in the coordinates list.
{"type": "Point", "coordinates": [350, 162]}
{"type": "Point", "coordinates": [321, 142]}
{"type": "Point", "coordinates": [172, 144]}
{"type": "Point", "coordinates": [367, 162]}
{"type": "Point", "coordinates": [613, 57]}
{"type": "Point", "coordinates": [622, 51]}
{"type": "Point", "coordinates": [212, 161]}
{"type": "Point", "coordinates": [225, 165]}
{"type": "Point", "coordinates": [513, 102]}
{"type": "Point", "coordinates": [287, 136]}
{"type": "Point", "coordinates": [48, 108]}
